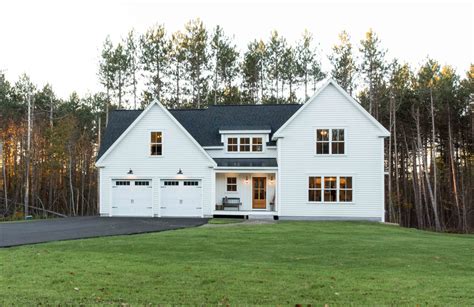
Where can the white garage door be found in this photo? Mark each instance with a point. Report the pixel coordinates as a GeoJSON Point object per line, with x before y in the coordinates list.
{"type": "Point", "coordinates": [181, 198]}
{"type": "Point", "coordinates": [132, 198]}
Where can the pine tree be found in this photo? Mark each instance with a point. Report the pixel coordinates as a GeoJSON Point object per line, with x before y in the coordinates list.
{"type": "Point", "coordinates": [155, 52]}
{"type": "Point", "coordinates": [289, 73]}
{"type": "Point", "coordinates": [306, 54]}
{"type": "Point", "coordinates": [342, 60]}
{"type": "Point", "coordinates": [132, 53]}
{"type": "Point", "coordinates": [177, 68]}
{"type": "Point", "coordinates": [197, 59]}
{"type": "Point", "coordinates": [276, 47]}
{"type": "Point", "coordinates": [251, 72]}
{"type": "Point", "coordinates": [373, 68]}
{"type": "Point", "coordinates": [106, 73]}
{"type": "Point", "coordinates": [121, 69]}
{"type": "Point", "coordinates": [225, 66]}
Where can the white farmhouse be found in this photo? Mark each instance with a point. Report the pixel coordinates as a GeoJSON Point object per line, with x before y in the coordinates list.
{"type": "Point", "coordinates": [320, 160]}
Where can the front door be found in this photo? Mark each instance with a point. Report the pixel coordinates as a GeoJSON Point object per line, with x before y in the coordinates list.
{"type": "Point", "coordinates": [259, 192]}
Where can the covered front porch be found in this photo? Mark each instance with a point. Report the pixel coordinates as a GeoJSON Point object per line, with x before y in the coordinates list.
{"type": "Point", "coordinates": [246, 192]}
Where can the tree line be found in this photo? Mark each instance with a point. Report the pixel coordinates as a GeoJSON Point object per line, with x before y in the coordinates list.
{"type": "Point", "coordinates": [429, 155]}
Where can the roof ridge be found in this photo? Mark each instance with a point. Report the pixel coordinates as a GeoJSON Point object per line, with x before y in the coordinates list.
{"type": "Point", "coordinates": [256, 105]}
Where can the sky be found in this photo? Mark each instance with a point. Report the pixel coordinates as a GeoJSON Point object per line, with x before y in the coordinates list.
{"type": "Point", "coordinates": [59, 42]}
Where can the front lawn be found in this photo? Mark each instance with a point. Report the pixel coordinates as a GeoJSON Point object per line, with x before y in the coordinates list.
{"type": "Point", "coordinates": [282, 263]}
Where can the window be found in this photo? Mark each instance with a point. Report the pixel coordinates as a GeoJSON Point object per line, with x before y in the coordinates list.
{"type": "Point", "coordinates": [315, 189]}
{"type": "Point", "coordinates": [191, 183]}
{"type": "Point", "coordinates": [322, 141]}
{"type": "Point", "coordinates": [122, 182]}
{"type": "Point", "coordinates": [337, 146]}
{"type": "Point", "coordinates": [142, 182]}
{"type": "Point", "coordinates": [231, 184]}
{"type": "Point", "coordinates": [257, 144]}
{"type": "Point", "coordinates": [330, 189]}
{"type": "Point", "coordinates": [171, 182]}
{"type": "Point", "coordinates": [232, 145]}
{"type": "Point", "coordinates": [244, 144]}
{"type": "Point", "coordinates": [156, 144]}
{"type": "Point", "coordinates": [345, 189]}
{"type": "Point", "coordinates": [330, 141]}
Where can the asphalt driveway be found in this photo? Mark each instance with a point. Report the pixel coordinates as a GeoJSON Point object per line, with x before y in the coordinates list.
{"type": "Point", "coordinates": [38, 231]}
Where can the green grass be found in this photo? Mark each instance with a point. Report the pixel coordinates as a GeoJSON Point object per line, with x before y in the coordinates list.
{"type": "Point", "coordinates": [221, 221]}
{"type": "Point", "coordinates": [283, 263]}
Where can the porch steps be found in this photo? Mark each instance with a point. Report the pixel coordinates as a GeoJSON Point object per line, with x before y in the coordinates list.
{"type": "Point", "coordinates": [265, 217]}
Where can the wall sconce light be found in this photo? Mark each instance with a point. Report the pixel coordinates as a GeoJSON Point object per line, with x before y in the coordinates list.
{"type": "Point", "coordinates": [246, 179]}
{"type": "Point", "coordinates": [271, 179]}
{"type": "Point", "coordinates": [130, 172]}
{"type": "Point", "coordinates": [180, 172]}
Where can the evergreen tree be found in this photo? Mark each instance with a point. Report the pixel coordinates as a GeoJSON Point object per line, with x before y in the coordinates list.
{"type": "Point", "coordinates": [342, 60]}
{"type": "Point", "coordinates": [155, 52]}
{"type": "Point", "coordinates": [373, 69]}
{"type": "Point", "coordinates": [275, 49]}
{"type": "Point", "coordinates": [197, 59]}
{"type": "Point", "coordinates": [252, 72]}
{"type": "Point", "coordinates": [289, 73]}
{"type": "Point", "coordinates": [132, 53]}
{"type": "Point", "coordinates": [225, 66]}
{"type": "Point", "coordinates": [106, 72]}
{"type": "Point", "coordinates": [177, 68]}
{"type": "Point", "coordinates": [121, 69]}
{"type": "Point", "coordinates": [306, 54]}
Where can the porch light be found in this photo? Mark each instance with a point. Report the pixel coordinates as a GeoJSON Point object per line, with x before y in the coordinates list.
{"type": "Point", "coordinates": [130, 172]}
{"type": "Point", "coordinates": [246, 179]}
{"type": "Point", "coordinates": [271, 178]}
{"type": "Point", "coordinates": [180, 172]}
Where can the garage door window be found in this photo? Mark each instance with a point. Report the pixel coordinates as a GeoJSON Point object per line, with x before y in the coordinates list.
{"type": "Point", "coordinates": [171, 182]}
{"type": "Point", "coordinates": [142, 182]}
{"type": "Point", "coordinates": [191, 183]}
{"type": "Point", "coordinates": [122, 182]}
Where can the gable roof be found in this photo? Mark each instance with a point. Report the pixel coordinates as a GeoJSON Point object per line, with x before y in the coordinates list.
{"type": "Point", "coordinates": [204, 124]}
{"type": "Point", "coordinates": [384, 132]}
{"type": "Point", "coordinates": [113, 142]}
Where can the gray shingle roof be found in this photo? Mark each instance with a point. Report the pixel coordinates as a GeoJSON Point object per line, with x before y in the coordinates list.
{"type": "Point", "coordinates": [204, 124]}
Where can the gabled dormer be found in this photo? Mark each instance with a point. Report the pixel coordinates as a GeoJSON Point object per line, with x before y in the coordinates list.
{"type": "Point", "coordinates": [245, 140]}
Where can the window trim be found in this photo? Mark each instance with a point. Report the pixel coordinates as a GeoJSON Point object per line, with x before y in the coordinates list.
{"type": "Point", "coordinates": [236, 184]}
{"type": "Point", "coordinates": [162, 143]}
{"type": "Point", "coordinates": [250, 144]}
{"type": "Point", "coordinates": [338, 201]}
{"type": "Point", "coordinates": [330, 154]}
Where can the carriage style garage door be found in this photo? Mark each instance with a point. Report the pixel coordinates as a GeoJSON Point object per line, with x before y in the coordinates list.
{"type": "Point", "coordinates": [181, 198]}
{"type": "Point", "coordinates": [132, 198]}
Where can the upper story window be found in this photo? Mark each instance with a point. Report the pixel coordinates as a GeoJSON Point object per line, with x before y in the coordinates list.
{"type": "Point", "coordinates": [232, 144]}
{"type": "Point", "coordinates": [156, 143]}
{"type": "Point", "coordinates": [245, 144]}
{"type": "Point", "coordinates": [257, 144]}
{"type": "Point", "coordinates": [330, 141]}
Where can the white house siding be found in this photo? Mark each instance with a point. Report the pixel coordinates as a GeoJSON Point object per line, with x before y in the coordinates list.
{"type": "Point", "coordinates": [179, 152]}
{"type": "Point", "coordinates": [363, 160]}
{"type": "Point", "coordinates": [244, 190]}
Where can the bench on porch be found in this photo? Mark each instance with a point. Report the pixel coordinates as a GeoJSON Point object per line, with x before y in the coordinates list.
{"type": "Point", "coordinates": [231, 202]}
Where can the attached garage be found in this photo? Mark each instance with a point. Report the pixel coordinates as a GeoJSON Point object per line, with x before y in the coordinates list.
{"type": "Point", "coordinates": [132, 198]}
{"type": "Point", "coordinates": [181, 198]}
